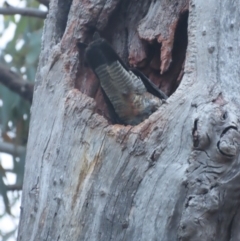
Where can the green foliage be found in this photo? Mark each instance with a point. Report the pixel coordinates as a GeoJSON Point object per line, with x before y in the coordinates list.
{"type": "Point", "coordinates": [28, 36]}
{"type": "Point", "coordinates": [21, 55]}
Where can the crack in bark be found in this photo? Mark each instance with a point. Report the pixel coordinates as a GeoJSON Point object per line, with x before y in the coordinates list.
{"type": "Point", "coordinates": [46, 146]}
{"type": "Point", "coordinates": [195, 134]}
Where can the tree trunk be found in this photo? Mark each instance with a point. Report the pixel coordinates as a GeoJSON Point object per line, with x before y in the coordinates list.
{"type": "Point", "coordinates": [176, 175]}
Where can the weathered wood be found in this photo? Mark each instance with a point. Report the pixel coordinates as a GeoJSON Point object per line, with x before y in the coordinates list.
{"type": "Point", "coordinates": [173, 177]}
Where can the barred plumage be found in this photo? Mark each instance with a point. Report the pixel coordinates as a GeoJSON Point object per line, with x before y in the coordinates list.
{"type": "Point", "coordinates": [133, 97]}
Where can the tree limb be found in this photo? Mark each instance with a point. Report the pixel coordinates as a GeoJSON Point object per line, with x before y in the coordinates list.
{"type": "Point", "coordinates": [15, 83]}
{"type": "Point", "coordinates": [14, 187]}
{"type": "Point", "coordinates": [31, 12]}
{"type": "Point", "coordinates": [12, 149]}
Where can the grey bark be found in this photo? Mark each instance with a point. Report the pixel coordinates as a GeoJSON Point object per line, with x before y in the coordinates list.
{"type": "Point", "coordinates": [173, 177]}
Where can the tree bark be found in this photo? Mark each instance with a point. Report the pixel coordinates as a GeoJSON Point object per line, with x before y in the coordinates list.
{"type": "Point", "coordinates": [176, 175]}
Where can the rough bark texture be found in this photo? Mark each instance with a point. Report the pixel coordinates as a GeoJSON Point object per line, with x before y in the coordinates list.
{"type": "Point", "coordinates": [173, 177]}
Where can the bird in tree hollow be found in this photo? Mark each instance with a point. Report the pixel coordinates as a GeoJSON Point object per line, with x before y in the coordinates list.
{"type": "Point", "coordinates": [132, 95]}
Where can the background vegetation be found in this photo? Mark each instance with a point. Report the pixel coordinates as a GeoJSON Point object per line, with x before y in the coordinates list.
{"type": "Point", "coordinates": [21, 25]}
